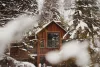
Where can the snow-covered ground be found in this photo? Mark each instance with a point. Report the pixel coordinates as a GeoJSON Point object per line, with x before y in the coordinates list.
{"type": "Point", "coordinates": [13, 62]}
{"type": "Point", "coordinates": [25, 64]}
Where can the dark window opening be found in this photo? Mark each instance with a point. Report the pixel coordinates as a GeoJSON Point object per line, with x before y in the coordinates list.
{"type": "Point", "coordinates": [53, 39]}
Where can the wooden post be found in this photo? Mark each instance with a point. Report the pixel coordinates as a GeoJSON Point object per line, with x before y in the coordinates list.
{"type": "Point", "coordinates": [60, 44]}
{"type": "Point", "coordinates": [38, 53]}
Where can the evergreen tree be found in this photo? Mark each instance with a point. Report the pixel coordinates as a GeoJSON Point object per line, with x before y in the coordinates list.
{"type": "Point", "coordinates": [86, 25]}
{"type": "Point", "coordinates": [85, 19]}
{"type": "Point", "coordinates": [10, 9]}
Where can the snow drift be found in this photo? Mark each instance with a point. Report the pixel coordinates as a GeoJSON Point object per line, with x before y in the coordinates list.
{"type": "Point", "coordinates": [19, 63]}
{"type": "Point", "coordinates": [24, 64]}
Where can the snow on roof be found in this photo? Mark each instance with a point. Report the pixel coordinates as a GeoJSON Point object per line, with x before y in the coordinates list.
{"type": "Point", "coordinates": [57, 22]}
{"type": "Point", "coordinates": [40, 29]}
{"type": "Point", "coordinates": [65, 35]}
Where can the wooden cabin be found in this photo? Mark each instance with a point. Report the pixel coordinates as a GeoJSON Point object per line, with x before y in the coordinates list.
{"type": "Point", "coordinates": [46, 39]}
{"type": "Point", "coordinates": [49, 38]}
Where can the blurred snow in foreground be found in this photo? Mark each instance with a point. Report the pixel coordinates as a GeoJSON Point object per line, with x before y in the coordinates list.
{"type": "Point", "coordinates": [15, 29]}
{"type": "Point", "coordinates": [73, 49]}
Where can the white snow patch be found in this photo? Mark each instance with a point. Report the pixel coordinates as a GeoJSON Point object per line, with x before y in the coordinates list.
{"type": "Point", "coordinates": [73, 34]}
{"type": "Point", "coordinates": [82, 25]}
{"type": "Point", "coordinates": [40, 5]}
{"type": "Point", "coordinates": [53, 57]}
{"type": "Point", "coordinates": [25, 64]}
{"type": "Point", "coordinates": [61, 7]}
{"type": "Point", "coordinates": [24, 49]}
{"type": "Point", "coordinates": [68, 15]}
{"type": "Point", "coordinates": [30, 47]}
{"type": "Point", "coordinates": [70, 23]}
{"type": "Point", "coordinates": [25, 43]}
{"type": "Point", "coordinates": [65, 13]}
{"type": "Point", "coordinates": [39, 29]}
{"type": "Point", "coordinates": [3, 4]}
{"type": "Point", "coordinates": [80, 12]}
{"type": "Point", "coordinates": [95, 27]}
{"type": "Point", "coordinates": [20, 63]}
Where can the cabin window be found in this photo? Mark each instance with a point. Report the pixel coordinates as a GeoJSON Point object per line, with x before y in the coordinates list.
{"type": "Point", "coordinates": [42, 43]}
{"type": "Point", "coordinates": [53, 39]}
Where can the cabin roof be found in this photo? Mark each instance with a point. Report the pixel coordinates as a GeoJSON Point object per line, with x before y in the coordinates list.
{"type": "Point", "coordinates": [44, 26]}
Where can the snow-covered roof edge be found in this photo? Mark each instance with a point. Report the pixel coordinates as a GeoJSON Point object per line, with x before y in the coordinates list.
{"type": "Point", "coordinates": [44, 26]}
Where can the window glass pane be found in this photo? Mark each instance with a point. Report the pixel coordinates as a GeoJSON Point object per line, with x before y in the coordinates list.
{"type": "Point", "coordinates": [53, 39]}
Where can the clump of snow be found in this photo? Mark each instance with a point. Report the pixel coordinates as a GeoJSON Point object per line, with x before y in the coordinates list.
{"type": "Point", "coordinates": [80, 12]}
{"type": "Point", "coordinates": [73, 49]}
{"type": "Point", "coordinates": [82, 25]}
{"type": "Point", "coordinates": [95, 27]}
{"type": "Point", "coordinates": [24, 49]}
{"type": "Point", "coordinates": [53, 57]}
{"type": "Point", "coordinates": [25, 64]}
{"type": "Point", "coordinates": [73, 34]}
{"type": "Point", "coordinates": [14, 30]}
{"type": "Point", "coordinates": [70, 23]}
{"type": "Point", "coordinates": [3, 4]}
{"type": "Point", "coordinates": [20, 63]}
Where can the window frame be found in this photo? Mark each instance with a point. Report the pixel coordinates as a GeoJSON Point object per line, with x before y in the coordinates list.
{"type": "Point", "coordinates": [58, 39]}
